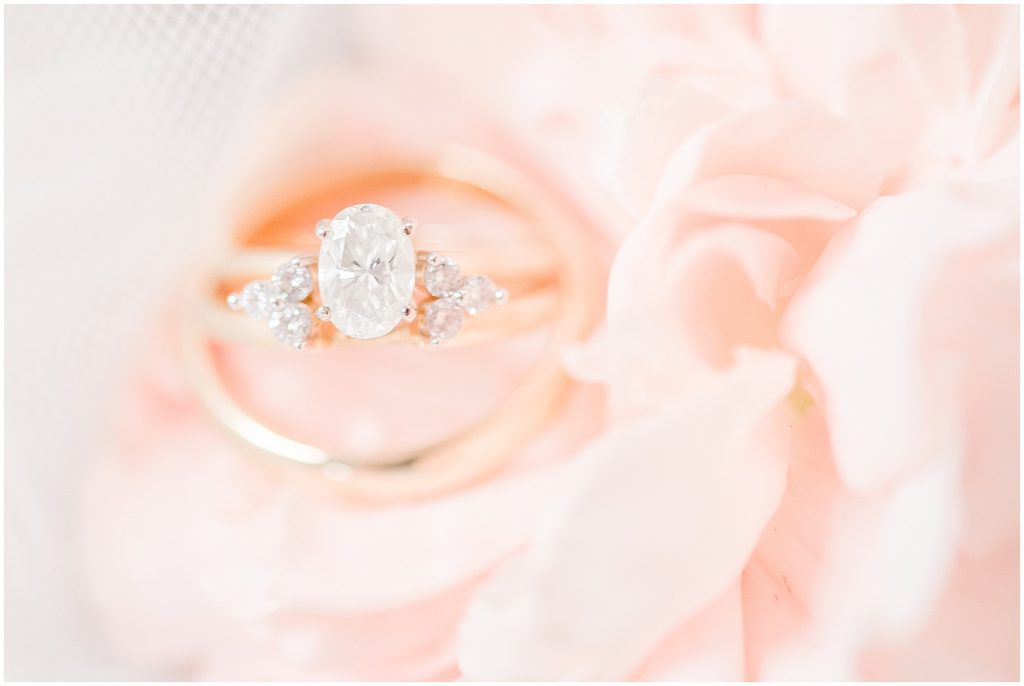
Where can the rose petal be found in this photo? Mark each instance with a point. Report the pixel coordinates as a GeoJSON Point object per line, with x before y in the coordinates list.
{"type": "Point", "coordinates": [794, 141]}
{"type": "Point", "coordinates": [974, 635]}
{"type": "Point", "coordinates": [837, 572]}
{"type": "Point", "coordinates": [414, 643]}
{"type": "Point", "coordinates": [611, 573]}
{"type": "Point", "coordinates": [898, 71]}
{"type": "Point", "coordinates": [751, 196]}
{"type": "Point", "coordinates": [708, 647]}
{"type": "Point", "coordinates": [863, 337]}
{"type": "Point", "coordinates": [347, 561]}
{"type": "Point", "coordinates": [691, 304]}
{"type": "Point", "coordinates": [972, 315]}
{"type": "Point", "coordinates": [139, 555]}
{"type": "Point", "coordinates": [993, 45]}
{"type": "Point", "coordinates": [662, 121]}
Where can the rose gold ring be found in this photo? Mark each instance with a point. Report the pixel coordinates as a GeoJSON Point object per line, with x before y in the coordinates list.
{"type": "Point", "coordinates": [370, 285]}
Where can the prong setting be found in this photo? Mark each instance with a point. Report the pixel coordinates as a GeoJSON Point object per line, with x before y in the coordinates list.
{"type": "Point", "coordinates": [283, 300]}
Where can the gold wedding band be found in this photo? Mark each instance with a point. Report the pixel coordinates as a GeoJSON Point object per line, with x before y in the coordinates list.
{"type": "Point", "coordinates": [550, 282]}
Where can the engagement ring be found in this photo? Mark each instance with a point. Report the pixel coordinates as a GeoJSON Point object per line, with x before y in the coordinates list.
{"type": "Point", "coordinates": [364, 284]}
{"type": "Point", "coordinates": [370, 285]}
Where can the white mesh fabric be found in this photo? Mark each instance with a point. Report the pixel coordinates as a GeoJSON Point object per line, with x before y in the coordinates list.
{"type": "Point", "coordinates": [118, 119]}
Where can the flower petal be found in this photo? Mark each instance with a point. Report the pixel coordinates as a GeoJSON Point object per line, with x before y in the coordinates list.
{"type": "Point", "coordinates": [796, 141]}
{"type": "Point", "coordinates": [707, 647]}
{"type": "Point", "coordinates": [753, 196]}
{"type": "Point", "coordinates": [655, 526]}
{"type": "Point", "coordinates": [863, 337]}
{"type": "Point", "coordinates": [662, 121]}
{"type": "Point", "coordinates": [837, 572]}
{"type": "Point", "coordinates": [974, 634]}
{"type": "Point", "coordinates": [676, 311]}
{"type": "Point", "coordinates": [898, 72]}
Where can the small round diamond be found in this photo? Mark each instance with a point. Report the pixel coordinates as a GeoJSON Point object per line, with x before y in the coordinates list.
{"type": "Point", "coordinates": [260, 299]}
{"type": "Point", "coordinates": [477, 294]}
{"type": "Point", "coordinates": [441, 277]}
{"type": "Point", "coordinates": [291, 323]}
{"type": "Point", "coordinates": [442, 319]}
{"type": "Point", "coordinates": [295, 280]}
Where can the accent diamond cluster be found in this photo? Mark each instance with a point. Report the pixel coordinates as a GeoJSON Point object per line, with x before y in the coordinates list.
{"type": "Point", "coordinates": [366, 276]}
{"type": "Point", "coordinates": [278, 302]}
{"type": "Point", "coordinates": [442, 318]}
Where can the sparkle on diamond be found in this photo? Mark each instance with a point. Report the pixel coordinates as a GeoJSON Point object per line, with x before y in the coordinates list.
{"type": "Point", "coordinates": [259, 299]}
{"type": "Point", "coordinates": [441, 277]}
{"type": "Point", "coordinates": [477, 294]}
{"type": "Point", "coordinates": [291, 323]}
{"type": "Point", "coordinates": [442, 319]}
{"type": "Point", "coordinates": [294, 280]}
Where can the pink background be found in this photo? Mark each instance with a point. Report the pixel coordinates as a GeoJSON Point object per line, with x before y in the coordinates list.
{"type": "Point", "coordinates": [793, 448]}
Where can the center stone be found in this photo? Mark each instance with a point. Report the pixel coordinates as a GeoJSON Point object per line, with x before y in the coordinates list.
{"type": "Point", "coordinates": [367, 271]}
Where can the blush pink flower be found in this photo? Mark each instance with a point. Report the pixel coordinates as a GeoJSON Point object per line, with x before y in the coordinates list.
{"type": "Point", "coordinates": [793, 450]}
{"type": "Point", "coordinates": [766, 241]}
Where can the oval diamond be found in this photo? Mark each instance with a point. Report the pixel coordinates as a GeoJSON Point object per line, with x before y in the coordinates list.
{"type": "Point", "coordinates": [367, 271]}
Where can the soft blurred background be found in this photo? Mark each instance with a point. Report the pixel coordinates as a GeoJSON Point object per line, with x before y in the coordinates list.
{"type": "Point", "coordinates": [833, 194]}
{"type": "Point", "coordinates": [119, 124]}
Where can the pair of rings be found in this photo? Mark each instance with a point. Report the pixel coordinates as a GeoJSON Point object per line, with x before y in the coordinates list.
{"type": "Point", "coordinates": [376, 280]}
